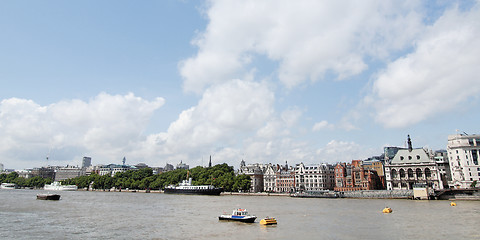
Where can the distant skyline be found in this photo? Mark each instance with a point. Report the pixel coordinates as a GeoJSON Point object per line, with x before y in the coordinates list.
{"type": "Point", "coordinates": [264, 81]}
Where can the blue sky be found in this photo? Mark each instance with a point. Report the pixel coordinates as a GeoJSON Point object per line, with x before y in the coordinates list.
{"type": "Point", "coordinates": [265, 81]}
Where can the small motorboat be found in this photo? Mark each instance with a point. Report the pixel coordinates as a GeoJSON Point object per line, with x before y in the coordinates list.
{"type": "Point", "coordinates": [48, 197]}
{"type": "Point", "coordinates": [240, 215]}
{"type": "Point", "coordinates": [268, 221]}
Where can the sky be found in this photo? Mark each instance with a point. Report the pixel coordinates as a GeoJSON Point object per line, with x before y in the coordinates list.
{"type": "Point", "coordinates": [276, 81]}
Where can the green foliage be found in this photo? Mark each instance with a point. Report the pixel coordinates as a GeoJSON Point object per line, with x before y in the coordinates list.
{"type": "Point", "coordinates": [474, 184]}
{"type": "Point", "coordinates": [220, 175]}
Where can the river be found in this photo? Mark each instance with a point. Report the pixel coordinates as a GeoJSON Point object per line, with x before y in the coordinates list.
{"type": "Point", "coordinates": [122, 215]}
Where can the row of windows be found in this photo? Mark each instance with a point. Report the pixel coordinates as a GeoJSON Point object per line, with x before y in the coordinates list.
{"type": "Point", "coordinates": [409, 157]}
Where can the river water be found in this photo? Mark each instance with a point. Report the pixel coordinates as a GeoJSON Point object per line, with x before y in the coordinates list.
{"type": "Point", "coordinates": [122, 215]}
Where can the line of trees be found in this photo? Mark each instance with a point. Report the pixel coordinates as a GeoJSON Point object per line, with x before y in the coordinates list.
{"type": "Point", "coordinates": [220, 175]}
{"type": "Point", "coordinates": [33, 182]}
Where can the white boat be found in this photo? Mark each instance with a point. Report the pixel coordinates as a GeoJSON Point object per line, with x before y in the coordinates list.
{"type": "Point", "coordinates": [240, 215]}
{"type": "Point", "coordinates": [8, 186]}
{"type": "Point", "coordinates": [186, 187]}
{"type": "Point", "coordinates": [57, 186]}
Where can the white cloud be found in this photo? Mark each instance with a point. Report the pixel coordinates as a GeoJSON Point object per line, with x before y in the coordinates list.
{"type": "Point", "coordinates": [440, 75]}
{"type": "Point", "coordinates": [306, 38]}
{"type": "Point", "coordinates": [107, 127]}
{"type": "Point", "coordinates": [342, 151]}
{"type": "Point", "coordinates": [226, 112]}
{"type": "Point", "coordinates": [322, 125]}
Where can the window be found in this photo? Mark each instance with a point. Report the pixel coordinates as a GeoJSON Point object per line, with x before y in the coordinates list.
{"type": "Point", "coordinates": [401, 157]}
{"type": "Point", "coordinates": [418, 157]}
{"type": "Point", "coordinates": [410, 173]}
{"type": "Point", "coordinates": [409, 157]}
{"type": "Point", "coordinates": [418, 171]}
{"type": "Point", "coordinates": [427, 173]}
{"type": "Point", "coordinates": [402, 173]}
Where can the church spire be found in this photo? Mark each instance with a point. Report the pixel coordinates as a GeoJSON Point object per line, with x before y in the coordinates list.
{"type": "Point", "coordinates": [409, 142]}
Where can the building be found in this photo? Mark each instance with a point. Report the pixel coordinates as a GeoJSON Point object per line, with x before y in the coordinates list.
{"type": "Point", "coordinates": [255, 171]}
{"type": "Point", "coordinates": [86, 162]}
{"type": "Point", "coordinates": [412, 166]}
{"type": "Point", "coordinates": [314, 178]}
{"type": "Point", "coordinates": [285, 179]}
{"type": "Point", "coordinates": [269, 177]}
{"type": "Point", "coordinates": [68, 172]}
{"type": "Point", "coordinates": [168, 167]}
{"type": "Point", "coordinates": [376, 164]}
{"type": "Point", "coordinates": [112, 169]}
{"type": "Point", "coordinates": [355, 177]}
{"type": "Point", "coordinates": [44, 172]}
{"type": "Point", "coordinates": [441, 159]}
{"type": "Point", "coordinates": [463, 155]}
{"type": "Point", "coordinates": [182, 165]}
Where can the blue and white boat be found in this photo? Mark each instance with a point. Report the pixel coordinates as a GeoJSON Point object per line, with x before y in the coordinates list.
{"type": "Point", "coordinates": [240, 215]}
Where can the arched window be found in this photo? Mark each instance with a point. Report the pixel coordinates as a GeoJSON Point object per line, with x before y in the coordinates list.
{"type": "Point", "coordinates": [418, 171]}
{"type": "Point", "coordinates": [402, 174]}
{"type": "Point", "coordinates": [427, 173]}
{"type": "Point", "coordinates": [410, 173]}
{"type": "Point", "coordinates": [394, 173]}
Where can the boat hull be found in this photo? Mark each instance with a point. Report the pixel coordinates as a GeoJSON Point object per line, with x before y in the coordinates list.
{"type": "Point", "coordinates": [215, 191]}
{"type": "Point", "coordinates": [245, 219]}
{"type": "Point", "coordinates": [48, 197]}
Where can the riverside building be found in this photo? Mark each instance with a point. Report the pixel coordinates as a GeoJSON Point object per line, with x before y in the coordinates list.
{"type": "Point", "coordinates": [463, 153]}
{"type": "Point", "coordinates": [412, 166]}
{"type": "Point", "coordinates": [315, 177]}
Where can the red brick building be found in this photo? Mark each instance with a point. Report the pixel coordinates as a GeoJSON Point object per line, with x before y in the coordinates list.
{"type": "Point", "coordinates": [354, 177]}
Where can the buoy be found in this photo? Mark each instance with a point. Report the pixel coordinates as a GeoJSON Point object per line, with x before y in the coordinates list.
{"type": "Point", "coordinates": [387, 210]}
{"type": "Point", "coordinates": [453, 204]}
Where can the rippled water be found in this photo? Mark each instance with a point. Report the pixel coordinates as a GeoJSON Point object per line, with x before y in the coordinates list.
{"type": "Point", "coordinates": [121, 215]}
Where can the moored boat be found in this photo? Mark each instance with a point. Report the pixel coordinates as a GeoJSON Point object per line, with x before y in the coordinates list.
{"type": "Point", "coordinates": [8, 186]}
{"type": "Point", "coordinates": [48, 196]}
{"type": "Point", "coordinates": [186, 187]}
{"type": "Point", "coordinates": [57, 186]}
{"type": "Point", "coordinates": [240, 215]}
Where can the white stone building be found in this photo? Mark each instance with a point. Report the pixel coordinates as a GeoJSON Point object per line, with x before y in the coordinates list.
{"type": "Point", "coordinates": [412, 166]}
{"type": "Point", "coordinates": [315, 177]}
{"type": "Point", "coordinates": [463, 153]}
{"type": "Point", "coordinates": [255, 171]}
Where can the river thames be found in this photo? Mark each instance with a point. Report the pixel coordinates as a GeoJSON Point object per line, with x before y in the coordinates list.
{"type": "Point", "coordinates": [122, 215]}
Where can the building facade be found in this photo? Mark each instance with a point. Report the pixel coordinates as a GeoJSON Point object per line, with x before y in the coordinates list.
{"type": "Point", "coordinates": [412, 166]}
{"type": "Point", "coordinates": [112, 169]}
{"type": "Point", "coordinates": [255, 171]}
{"type": "Point", "coordinates": [314, 178]}
{"type": "Point", "coordinates": [355, 176]}
{"type": "Point", "coordinates": [68, 172]}
{"type": "Point", "coordinates": [463, 155]}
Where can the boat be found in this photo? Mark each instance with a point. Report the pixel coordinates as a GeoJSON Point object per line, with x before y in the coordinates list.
{"type": "Point", "coordinates": [48, 196]}
{"type": "Point", "coordinates": [8, 186]}
{"type": "Point", "coordinates": [57, 186]}
{"type": "Point", "coordinates": [268, 221]}
{"type": "Point", "coordinates": [186, 187]}
{"type": "Point", "coordinates": [240, 215]}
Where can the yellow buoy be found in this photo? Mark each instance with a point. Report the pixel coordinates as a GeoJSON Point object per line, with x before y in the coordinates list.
{"type": "Point", "coordinates": [387, 210]}
{"type": "Point", "coordinates": [268, 221]}
{"type": "Point", "coordinates": [453, 204]}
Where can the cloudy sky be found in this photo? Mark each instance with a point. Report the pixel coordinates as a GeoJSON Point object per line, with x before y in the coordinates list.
{"type": "Point", "coordinates": [265, 81]}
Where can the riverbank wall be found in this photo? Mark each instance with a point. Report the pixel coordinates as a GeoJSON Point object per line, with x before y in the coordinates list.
{"type": "Point", "coordinates": [388, 194]}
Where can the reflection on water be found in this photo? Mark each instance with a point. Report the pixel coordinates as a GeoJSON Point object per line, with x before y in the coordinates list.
{"type": "Point", "coordinates": [114, 215]}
